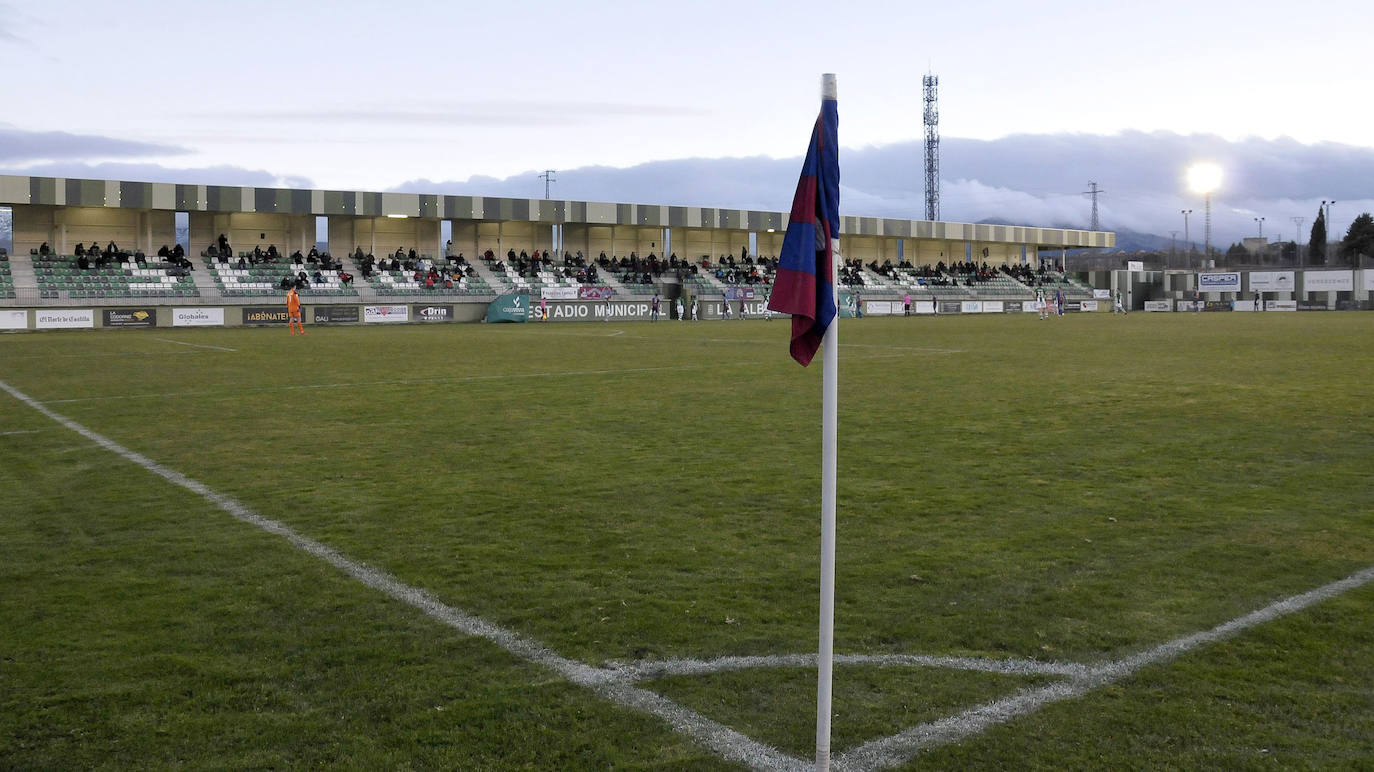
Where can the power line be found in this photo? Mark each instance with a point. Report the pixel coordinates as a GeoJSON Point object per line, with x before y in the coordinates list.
{"type": "Point", "coordinates": [548, 178]}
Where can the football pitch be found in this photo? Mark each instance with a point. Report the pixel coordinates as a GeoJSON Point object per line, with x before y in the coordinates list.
{"type": "Point", "coordinates": [1092, 541]}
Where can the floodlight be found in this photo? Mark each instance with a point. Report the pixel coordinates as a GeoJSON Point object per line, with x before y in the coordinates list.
{"type": "Point", "coordinates": [1204, 178]}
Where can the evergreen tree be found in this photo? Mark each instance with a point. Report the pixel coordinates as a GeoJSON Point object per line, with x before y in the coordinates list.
{"type": "Point", "coordinates": [1316, 245]}
{"type": "Point", "coordinates": [1237, 251]}
{"type": "Point", "coordinates": [1359, 240]}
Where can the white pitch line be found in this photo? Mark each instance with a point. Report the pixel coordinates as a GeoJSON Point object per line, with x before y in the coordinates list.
{"type": "Point", "coordinates": [901, 747]}
{"type": "Point", "coordinates": [20, 431]}
{"type": "Point", "coordinates": [726, 742]}
{"type": "Point", "coordinates": [197, 345]}
{"type": "Point", "coordinates": [650, 669]}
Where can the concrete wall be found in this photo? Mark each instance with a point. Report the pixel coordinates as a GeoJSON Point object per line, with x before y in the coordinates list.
{"type": "Point", "coordinates": [63, 227]}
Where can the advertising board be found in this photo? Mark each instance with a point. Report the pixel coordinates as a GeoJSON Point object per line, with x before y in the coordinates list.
{"type": "Point", "coordinates": [335, 314]}
{"type": "Point", "coordinates": [265, 315]}
{"type": "Point", "coordinates": [1328, 281]}
{"type": "Point", "coordinates": [1088, 305]}
{"type": "Point", "coordinates": [1271, 281]}
{"type": "Point", "coordinates": [434, 313]}
{"type": "Point", "coordinates": [197, 317]}
{"type": "Point", "coordinates": [1135, 265]}
{"type": "Point", "coordinates": [558, 293]}
{"type": "Point", "coordinates": [386, 313]}
{"type": "Point", "coordinates": [1219, 282]}
{"type": "Point", "coordinates": [14, 319]}
{"type": "Point", "coordinates": [1159, 305]}
{"type": "Point", "coordinates": [63, 319]}
{"type": "Point", "coordinates": [129, 317]}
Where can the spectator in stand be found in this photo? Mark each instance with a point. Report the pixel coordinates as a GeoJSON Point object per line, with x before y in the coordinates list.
{"type": "Point", "coordinates": [83, 262]}
{"type": "Point", "coordinates": [345, 278]}
{"type": "Point", "coordinates": [223, 242]}
{"type": "Point", "coordinates": [80, 250]}
{"type": "Point", "coordinates": [272, 253]}
{"type": "Point", "coordinates": [111, 250]}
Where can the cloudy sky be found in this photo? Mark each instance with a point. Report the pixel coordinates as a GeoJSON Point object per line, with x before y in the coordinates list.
{"type": "Point", "coordinates": [710, 102]}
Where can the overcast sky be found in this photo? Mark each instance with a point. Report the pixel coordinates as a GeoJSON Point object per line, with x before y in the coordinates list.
{"type": "Point", "coordinates": [361, 95]}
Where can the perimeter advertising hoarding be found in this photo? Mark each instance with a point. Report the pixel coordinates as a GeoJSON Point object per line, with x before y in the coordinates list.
{"type": "Point", "coordinates": [44, 319]}
{"type": "Point", "coordinates": [1312, 305]}
{"type": "Point", "coordinates": [923, 307]}
{"type": "Point", "coordinates": [879, 307]}
{"type": "Point", "coordinates": [1281, 305]}
{"type": "Point", "coordinates": [1159, 305]}
{"type": "Point", "coordinates": [971, 307]}
{"type": "Point", "coordinates": [129, 317]}
{"type": "Point", "coordinates": [512, 307]}
{"type": "Point", "coordinates": [264, 315]}
{"type": "Point", "coordinates": [950, 306]}
{"type": "Point", "coordinates": [1217, 305]}
{"type": "Point", "coordinates": [558, 293]}
{"type": "Point", "coordinates": [335, 314]}
{"type": "Point", "coordinates": [434, 313]}
{"type": "Point", "coordinates": [1102, 294]}
{"type": "Point", "coordinates": [1135, 265]}
{"type": "Point", "coordinates": [1088, 305]}
{"type": "Point", "coordinates": [14, 319]}
{"type": "Point", "coordinates": [1328, 281]}
{"type": "Point", "coordinates": [594, 293]}
{"type": "Point", "coordinates": [1218, 282]}
{"type": "Point", "coordinates": [197, 317]}
{"type": "Point", "coordinates": [391, 313]}
{"type": "Point", "coordinates": [994, 306]}
{"type": "Point", "coordinates": [1012, 306]}
{"type": "Point", "coordinates": [1271, 281]}
{"type": "Point", "coordinates": [739, 293]}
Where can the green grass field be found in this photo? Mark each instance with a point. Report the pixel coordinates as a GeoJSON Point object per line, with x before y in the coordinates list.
{"type": "Point", "coordinates": [1069, 491]}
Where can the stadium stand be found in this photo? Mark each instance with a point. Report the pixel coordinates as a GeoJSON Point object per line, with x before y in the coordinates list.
{"type": "Point", "coordinates": [6, 278]}
{"type": "Point", "coordinates": [60, 276]}
{"type": "Point", "coordinates": [403, 283]}
{"type": "Point", "coordinates": [265, 279]}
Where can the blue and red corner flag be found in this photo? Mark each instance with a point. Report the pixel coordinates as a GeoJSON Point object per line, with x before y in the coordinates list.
{"type": "Point", "coordinates": [803, 286]}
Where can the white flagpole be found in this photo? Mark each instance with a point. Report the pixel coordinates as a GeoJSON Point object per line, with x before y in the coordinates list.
{"type": "Point", "coordinates": [830, 387]}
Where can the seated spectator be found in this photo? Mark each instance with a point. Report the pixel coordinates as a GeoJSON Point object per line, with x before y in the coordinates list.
{"type": "Point", "coordinates": [285, 282]}
{"type": "Point", "coordinates": [412, 254]}
{"type": "Point", "coordinates": [314, 254]}
{"type": "Point", "coordinates": [345, 278]}
{"type": "Point", "coordinates": [163, 252]}
{"type": "Point", "coordinates": [358, 253]}
{"type": "Point", "coordinates": [83, 262]}
{"type": "Point", "coordinates": [80, 250]}
{"type": "Point", "coordinates": [299, 259]}
{"type": "Point", "coordinates": [318, 277]}
{"type": "Point", "coordinates": [399, 254]}
{"type": "Point", "coordinates": [242, 264]}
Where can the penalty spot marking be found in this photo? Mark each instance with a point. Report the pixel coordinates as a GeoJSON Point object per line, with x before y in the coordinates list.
{"type": "Point", "coordinates": [729, 744]}
{"type": "Point", "coordinates": [196, 345]}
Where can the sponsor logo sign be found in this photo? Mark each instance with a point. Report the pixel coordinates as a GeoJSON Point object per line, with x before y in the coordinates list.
{"type": "Point", "coordinates": [1217, 305]}
{"type": "Point", "coordinates": [1328, 281]}
{"type": "Point", "coordinates": [44, 319]}
{"type": "Point", "coordinates": [594, 293]}
{"type": "Point", "coordinates": [971, 307]}
{"type": "Point", "coordinates": [879, 307]}
{"type": "Point", "coordinates": [129, 317]}
{"type": "Point", "coordinates": [1159, 305]}
{"type": "Point", "coordinates": [386, 313]}
{"type": "Point", "coordinates": [994, 306]}
{"type": "Point", "coordinates": [1369, 278]}
{"type": "Point", "coordinates": [739, 293]}
{"type": "Point", "coordinates": [1271, 281]}
{"type": "Point", "coordinates": [1102, 294]}
{"type": "Point", "coordinates": [1312, 305]}
{"type": "Point", "coordinates": [514, 307]}
{"type": "Point", "coordinates": [1281, 305]}
{"type": "Point", "coordinates": [1135, 265]}
{"type": "Point", "coordinates": [1352, 305]}
{"type": "Point", "coordinates": [264, 314]}
{"type": "Point", "coordinates": [1219, 282]}
{"type": "Point", "coordinates": [923, 307]}
{"type": "Point", "coordinates": [1088, 305]}
{"type": "Point", "coordinates": [950, 306]}
{"type": "Point", "coordinates": [434, 313]}
{"type": "Point", "coordinates": [1013, 306]}
{"type": "Point", "coordinates": [1073, 305]}
{"type": "Point", "coordinates": [335, 314]}
{"type": "Point", "coordinates": [197, 317]}
{"type": "Point", "coordinates": [558, 293]}
{"type": "Point", "coordinates": [14, 319]}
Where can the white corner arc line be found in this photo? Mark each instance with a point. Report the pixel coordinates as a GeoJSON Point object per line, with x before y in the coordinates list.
{"type": "Point", "coordinates": [650, 669]}
{"type": "Point", "coordinates": [724, 741]}
{"type": "Point", "coordinates": [196, 345]}
{"type": "Point", "coordinates": [901, 747]}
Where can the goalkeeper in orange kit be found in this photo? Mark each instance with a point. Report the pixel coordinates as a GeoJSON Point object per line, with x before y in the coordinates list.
{"type": "Point", "coordinates": [293, 312]}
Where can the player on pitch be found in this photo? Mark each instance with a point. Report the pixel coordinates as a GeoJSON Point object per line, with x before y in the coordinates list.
{"type": "Point", "coordinates": [293, 311]}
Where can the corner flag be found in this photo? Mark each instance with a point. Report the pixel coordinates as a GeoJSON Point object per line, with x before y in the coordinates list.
{"type": "Point", "coordinates": [805, 268]}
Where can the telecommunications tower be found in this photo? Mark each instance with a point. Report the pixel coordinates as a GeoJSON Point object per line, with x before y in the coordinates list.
{"type": "Point", "coordinates": [931, 119]}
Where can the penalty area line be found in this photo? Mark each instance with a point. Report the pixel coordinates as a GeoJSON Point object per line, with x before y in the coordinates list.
{"type": "Point", "coordinates": [729, 744]}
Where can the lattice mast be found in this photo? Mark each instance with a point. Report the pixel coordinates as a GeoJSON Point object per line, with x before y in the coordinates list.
{"type": "Point", "coordinates": [931, 118]}
{"type": "Point", "coordinates": [1093, 191]}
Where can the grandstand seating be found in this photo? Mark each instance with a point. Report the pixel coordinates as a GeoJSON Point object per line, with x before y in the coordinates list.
{"type": "Point", "coordinates": [6, 280]}
{"type": "Point", "coordinates": [264, 280]}
{"type": "Point", "coordinates": [59, 274]}
{"type": "Point", "coordinates": [403, 284]}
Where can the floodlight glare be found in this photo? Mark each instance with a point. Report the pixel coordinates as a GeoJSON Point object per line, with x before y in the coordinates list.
{"type": "Point", "coordinates": [1204, 177]}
